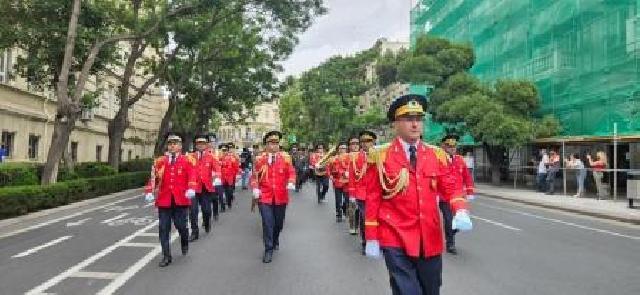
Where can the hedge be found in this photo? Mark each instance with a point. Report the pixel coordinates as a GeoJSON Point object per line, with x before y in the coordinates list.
{"type": "Point", "coordinates": [19, 174]}
{"type": "Point", "coordinates": [18, 200]}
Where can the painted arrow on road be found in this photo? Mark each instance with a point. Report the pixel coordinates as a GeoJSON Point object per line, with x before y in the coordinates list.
{"type": "Point", "coordinates": [79, 222]}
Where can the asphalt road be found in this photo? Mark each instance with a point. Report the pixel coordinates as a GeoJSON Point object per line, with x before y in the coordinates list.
{"type": "Point", "coordinates": [111, 247]}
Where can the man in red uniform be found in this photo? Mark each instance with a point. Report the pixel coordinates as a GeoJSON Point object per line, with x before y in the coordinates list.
{"type": "Point", "coordinates": [208, 176]}
{"type": "Point", "coordinates": [173, 180]}
{"type": "Point", "coordinates": [361, 178]}
{"type": "Point", "coordinates": [354, 153]}
{"type": "Point", "coordinates": [463, 186]}
{"type": "Point", "coordinates": [339, 167]}
{"type": "Point", "coordinates": [320, 173]}
{"type": "Point", "coordinates": [230, 167]}
{"type": "Point", "coordinates": [272, 178]}
{"type": "Point", "coordinates": [402, 214]}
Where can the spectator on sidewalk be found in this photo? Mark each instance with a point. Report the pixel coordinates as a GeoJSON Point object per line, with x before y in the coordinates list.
{"type": "Point", "coordinates": [598, 167]}
{"type": "Point", "coordinates": [553, 166]}
{"type": "Point", "coordinates": [574, 162]}
{"type": "Point", "coordinates": [470, 161]}
{"type": "Point", "coordinates": [1, 154]}
{"type": "Point", "coordinates": [542, 171]}
{"type": "Point", "coordinates": [245, 166]}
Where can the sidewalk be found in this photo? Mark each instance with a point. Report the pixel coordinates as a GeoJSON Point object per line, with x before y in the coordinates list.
{"type": "Point", "coordinates": [607, 209]}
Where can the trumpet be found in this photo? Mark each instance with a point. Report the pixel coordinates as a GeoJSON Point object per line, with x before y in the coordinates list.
{"type": "Point", "coordinates": [321, 165]}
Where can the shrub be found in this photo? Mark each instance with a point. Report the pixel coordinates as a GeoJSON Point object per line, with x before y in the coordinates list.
{"type": "Point", "coordinates": [18, 200]}
{"type": "Point", "coordinates": [136, 165]}
{"type": "Point", "coordinates": [18, 174]}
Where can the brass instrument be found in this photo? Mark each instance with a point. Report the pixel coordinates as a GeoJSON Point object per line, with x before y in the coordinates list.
{"type": "Point", "coordinates": [321, 169]}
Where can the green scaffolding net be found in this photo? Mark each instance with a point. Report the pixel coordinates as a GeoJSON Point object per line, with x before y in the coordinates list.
{"type": "Point", "coordinates": [584, 55]}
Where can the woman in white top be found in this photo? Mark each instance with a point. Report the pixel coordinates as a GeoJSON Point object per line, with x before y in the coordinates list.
{"type": "Point", "coordinates": [574, 162]}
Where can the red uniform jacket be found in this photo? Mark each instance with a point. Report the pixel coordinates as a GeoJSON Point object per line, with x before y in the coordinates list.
{"type": "Point", "coordinates": [172, 180]}
{"type": "Point", "coordinates": [207, 169]}
{"type": "Point", "coordinates": [272, 179]}
{"type": "Point", "coordinates": [339, 166]}
{"type": "Point", "coordinates": [358, 166]}
{"type": "Point", "coordinates": [313, 160]}
{"type": "Point", "coordinates": [230, 167]}
{"type": "Point", "coordinates": [402, 206]}
{"type": "Point", "coordinates": [464, 181]}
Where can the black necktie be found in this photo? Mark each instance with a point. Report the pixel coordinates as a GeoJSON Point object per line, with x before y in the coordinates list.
{"type": "Point", "coordinates": [271, 159]}
{"type": "Point", "coordinates": [173, 159]}
{"type": "Point", "coordinates": [413, 160]}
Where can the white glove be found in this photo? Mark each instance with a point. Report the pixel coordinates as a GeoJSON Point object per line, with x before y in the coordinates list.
{"type": "Point", "coordinates": [346, 174]}
{"type": "Point", "coordinates": [291, 186]}
{"type": "Point", "coordinates": [462, 221]}
{"type": "Point", "coordinates": [352, 200]}
{"type": "Point", "coordinates": [149, 197]}
{"type": "Point", "coordinates": [190, 194]}
{"type": "Point", "coordinates": [217, 181]}
{"type": "Point", "coordinates": [471, 197]}
{"type": "Point", "coordinates": [256, 193]}
{"type": "Point", "coordinates": [372, 249]}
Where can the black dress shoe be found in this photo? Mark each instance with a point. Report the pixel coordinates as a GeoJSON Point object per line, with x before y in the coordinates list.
{"type": "Point", "coordinates": [207, 227]}
{"type": "Point", "coordinates": [452, 250]}
{"type": "Point", "coordinates": [165, 261]}
{"type": "Point", "coordinates": [185, 249]}
{"type": "Point", "coordinates": [268, 256]}
{"type": "Point", "coordinates": [193, 237]}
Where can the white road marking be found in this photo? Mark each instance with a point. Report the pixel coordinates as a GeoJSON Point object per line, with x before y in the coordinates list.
{"type": "Point", "coordinates": [496, 223]}
{"type": "Point", "coordinates": [603, 231]}
{"type": "Point", "coordinates": [148, 235]}
{"type": "Point", "coordinates": [52, 221]}
{"type": "Point", "coordinates": [149, 205]}
{"type": "Point", "coordinates": [96, 275]}
{"type": "Point", "coordinates": [91, 259]}
{"type": "Point", "coordinates": [121, 208]}
{"type": "Point", "coordinates": [149, 245]}
{"type": "Point", "coordinates": [115, 218]}
{"type": "Point", "coordinates": [131, 271]}
{"type": "Point", "coordinates": [38, 248]}
{"type": "Point", "coordinates": [79, 222]}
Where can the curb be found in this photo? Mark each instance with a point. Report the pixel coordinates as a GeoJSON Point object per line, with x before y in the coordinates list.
{"type": "Point", "coordinates": [83, 203]}
{"type": "Point", "coordinates": [559, 208]}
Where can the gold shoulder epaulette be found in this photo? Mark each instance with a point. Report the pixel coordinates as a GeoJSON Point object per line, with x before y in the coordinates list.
{"type": "Point", "coordinates": [159, 160]}
{"type": "Point", "coordinates": [439, 152]}
{"type": "Point", "coordinates": [286, 157]}
{"type": "Point", "coordinates": [378, 153]}
{"type": "Point", "coordinates": [191, 159]}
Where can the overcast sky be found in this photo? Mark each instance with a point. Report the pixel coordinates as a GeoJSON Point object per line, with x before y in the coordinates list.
{"type": "Point", "coordinates": [349, 26]}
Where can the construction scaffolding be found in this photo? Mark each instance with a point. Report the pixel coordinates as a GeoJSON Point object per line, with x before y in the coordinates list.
{"type": "Point", "coordinates": [584, 55]}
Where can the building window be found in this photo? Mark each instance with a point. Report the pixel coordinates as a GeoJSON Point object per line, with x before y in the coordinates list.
{"type": "Point", "coordinates": [7, 143]}
{"type": "Point", "coordinates": [129, 155]}
{"type": "Point", "coordinates": [98, 153]}
{"type": "Point", "coordinates": [5, 65]}
{"type": "Point", "coordinates": [74, 151]}
{"type": "Point", "coordinates": [120, 155]}
{"type": "Point", "coordinates": [34, 140]}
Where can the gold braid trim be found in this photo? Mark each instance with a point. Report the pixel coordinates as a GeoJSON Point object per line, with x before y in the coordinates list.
{"type": "Point", "coordinates": [401, 181]}
{"type": "Point", "coordinates": [358, 174]}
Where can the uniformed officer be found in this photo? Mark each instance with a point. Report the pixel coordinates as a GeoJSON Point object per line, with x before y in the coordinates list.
{"type": "Point", "coordinates": [339, 168]}
{"type": "Point", "coordinates": [463, 185]}
{"type": "Point", "coordinates": [230, 168]}
{"type": "Point", "coordinates": [320, 173]}
{"type": "Point", "coordinates": [352, 206]}
{"type": "Point", "coordinates": [402, 215]}
{"type": "Point", "coordinates": [273, 176]}
{"type": "Point", "coordinates": [173, 180]}
{"type": "Point", "coordinates": [361, 177]}
{"type": "Point", "coordinates": [208, 176]}
{"type": "Point", "coordinates": [221, 152]}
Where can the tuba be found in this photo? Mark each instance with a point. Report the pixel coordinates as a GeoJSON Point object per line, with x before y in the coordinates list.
{"type": "Point", "coordinates": [321, 169]}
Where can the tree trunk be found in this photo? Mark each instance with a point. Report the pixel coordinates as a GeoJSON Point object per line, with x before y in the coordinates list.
{"type": "Point", "coordinates": [495, 155]}
{"type": "Point", "coordinates": [165, 127]}
{"type": "Point", "coordinates": [59, 143]}
{"type": "Point", "coordinates": [116, 128]}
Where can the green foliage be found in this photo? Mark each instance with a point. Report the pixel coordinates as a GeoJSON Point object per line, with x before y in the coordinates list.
{"type": "Point", "coordinates": [18, 174]}
{"type": "Point", "coordinates": [19, 200]}
{"type": "Point", "coordinates": [93, 169]}
{"type": "Point", "coordinates": [136, 165]}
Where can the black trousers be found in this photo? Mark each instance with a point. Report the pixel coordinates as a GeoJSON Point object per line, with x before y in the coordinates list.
{"type": "Point", "coordinates": [447, 216]}
{"type": "Point", "coordinates": [360, 216]}
{"type": "Point", "coordinates": [201, 201]}
{"type": "Point", "coordinates": [177, 214]}
{"type": "Point", "coordinates": [228, 192]}
{"type": "Point", "coordinates": [220, 200]}
{"type": "Point", "coordinates": [339, 195]}
{"type": "Point", "coordinates": [411, 275]}
{"type": "Point", "coordinates": [322, 186]}
{"type": "Point", "coordinates": [272, 224]}
{"type": "Point", "coordinates": [300, 178]}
